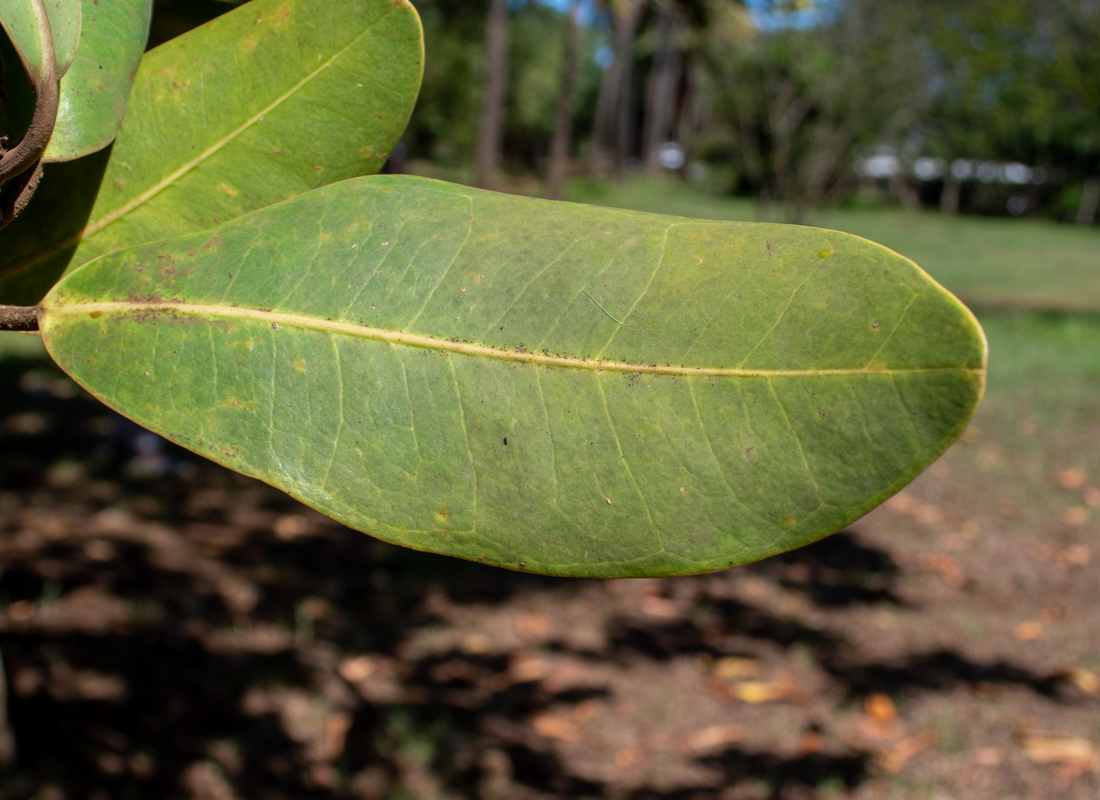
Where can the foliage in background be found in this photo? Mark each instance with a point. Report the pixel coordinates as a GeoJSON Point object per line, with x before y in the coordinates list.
{"type": "Point", "coordinates": [783, 111]}
{"type": "Point", "coordinates": [799, 102]}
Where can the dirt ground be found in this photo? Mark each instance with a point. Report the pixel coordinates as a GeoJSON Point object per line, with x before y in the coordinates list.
{"type": "Point", "coordinates": [172, 630]}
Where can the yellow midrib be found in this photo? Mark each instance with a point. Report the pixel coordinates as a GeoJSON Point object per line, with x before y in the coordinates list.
{"type": "Point", "coordinates": [276, 319]}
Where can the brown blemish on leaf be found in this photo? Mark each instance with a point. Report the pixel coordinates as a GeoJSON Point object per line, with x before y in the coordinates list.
{"type": "Point", "coordinates": [280, 16]}
{"type": "Point", "coordinates": [299, 365]}
{"type": "Point", "coordinates": [247, 45]}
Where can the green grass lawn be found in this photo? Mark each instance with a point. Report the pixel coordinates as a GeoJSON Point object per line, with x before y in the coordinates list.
{"type": "Point", "coordinates": [989, 263]}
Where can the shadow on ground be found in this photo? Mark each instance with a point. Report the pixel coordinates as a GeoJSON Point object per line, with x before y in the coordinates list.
{"type": "Point", "coordinates": [170, 629]}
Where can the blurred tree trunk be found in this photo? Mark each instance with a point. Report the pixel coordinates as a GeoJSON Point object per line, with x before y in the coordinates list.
{"type": "Point", "coordinates": [496, 84]}
{"type": "Point", "coordinates": [900, 188]}
{"type": "Point", "coordinates": [788, 111]}
{"type": "Point", "coordinates": [689, 107]}
{"type": "Point", "coordinates": [952, 191]}
{"type": "Point", "coordinates": [563, 128]}
{"type": "Point", "coordinates": [831, 141]}
{"type": "Point", "coordinates": [614, 128]}
{"type": "Point", "coordinates": [1090, 201]}
{"type": "Point", "coordinates": [601, 131]}
{"type": "Point", "coordinates": [661, 90]}
{"type": "Point", "coordinates": [624, 121]}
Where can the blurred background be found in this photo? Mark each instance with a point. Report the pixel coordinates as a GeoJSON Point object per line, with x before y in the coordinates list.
{"type": "Point", "coordinates": [170, 629]}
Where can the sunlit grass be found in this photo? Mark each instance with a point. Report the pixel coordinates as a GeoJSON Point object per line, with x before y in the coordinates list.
{"type": "Point", "coordinates": [988, 262]}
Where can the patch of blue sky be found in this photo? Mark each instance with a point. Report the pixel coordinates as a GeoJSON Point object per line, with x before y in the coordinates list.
{"type": "Point", "coordinates": [770, 15]}
{"type": "Point", "coordinates": [766, 15]}
{"type": "Point", "coordinates": [588, 11]}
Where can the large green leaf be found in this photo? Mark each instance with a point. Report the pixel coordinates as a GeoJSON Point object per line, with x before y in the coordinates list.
{"type": "Point", "coordinates": [22, 20]}
{"type": "Point", "coordinates": [267, 101]}
{"type": "Point", "coordinates": [95, 89]}
{"type": "Point", "coordinates": [548, 387]}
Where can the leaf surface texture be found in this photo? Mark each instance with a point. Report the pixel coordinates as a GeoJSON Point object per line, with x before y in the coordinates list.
{"type": "Point", "coordinates": [20, 19]}
{"type": "Point", "coordinates": [543, 386]}
{"type": "Point", "coordinates": [272, 99]}
{"type": "Point", "coordinates": [95, 89]}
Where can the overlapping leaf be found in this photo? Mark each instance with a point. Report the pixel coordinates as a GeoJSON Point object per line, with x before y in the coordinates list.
{"type": "Point", "coordinates": [95, 88]}
{"type": "Point", "coordinates": [17, 106]}
{"type": "Point", "coordinates": [23, 21]}
{"type": "Point", "coordinates": [547, 387]}
{"type": "Point", "coordinates": [269, 100]}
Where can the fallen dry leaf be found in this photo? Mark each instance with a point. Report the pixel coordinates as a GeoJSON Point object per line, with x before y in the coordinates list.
{"type": "Point", "coordinates": [1055, 749]}
{"type": "Point", "coordinates": [1050, 614]}
{"type": "Point", "coordinates": [476, 644]}
{"type": "Point", "coordinates": [1072, 478]}
{"type": "Point", "coordinates": [812, 742]}
{"type": "Point", "coordinates": [586, 710]}
{"type": "Point", "coordinates": [526, 667]}
{"type": "Point", "coordinates": [627, 757]}
{"type": "Point", "coordinates": [21, 611]}
{"type": "Point", "coordinates": [894, 759]}
{"type": "Point", "coordinates": [902, 503]}
{"type": "Point", "coordinates": [909, 506]}
{"type": "Point", "coordinates": [553, 726]}
{"type": "Point", "coordinates": [761, 691]}
{"type": "Point", "coordinates": [291, 527]}
{"type": "Point", "coordinates": [714, 737]}
{"type": "Point", "coordinates": [336, 734]}
{"type": "Point", "coordinates": [660, 608]}
{"type": "Point", "coordinates": [533, 626]}
{"type": "Point", "coordinates": [732, 668]}
{"type": "Point", "coordinates": [1076, 555]}
{"type": "Point", "coordinates": [1028, 631]}
{"type": "Point", "coordinates": [1085, 680]}
{"type": "Point", "coordinates": [987, 756]}
{"type": "Point", "coordinates": [1076, 515]}
{"type": "Point", "coordinates": [357, 669]}
{"type": "Point", "coordinates": [880, 707]}
{"type": "Point", "coordinates": [946, 566]}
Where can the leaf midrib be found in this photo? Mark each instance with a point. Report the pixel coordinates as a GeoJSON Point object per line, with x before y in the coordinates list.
{"type": "Point", "coordinates": [278, 318]}
{"type": "Point", "coordinates": [92, 228]}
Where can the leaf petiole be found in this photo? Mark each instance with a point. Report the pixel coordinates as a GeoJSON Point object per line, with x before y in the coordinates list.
{"type": "Point", "coordinates": [19, 318]}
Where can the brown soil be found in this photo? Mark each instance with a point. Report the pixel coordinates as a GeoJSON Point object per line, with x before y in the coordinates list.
{"type": "Point", "coordinates": [172, 630]}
